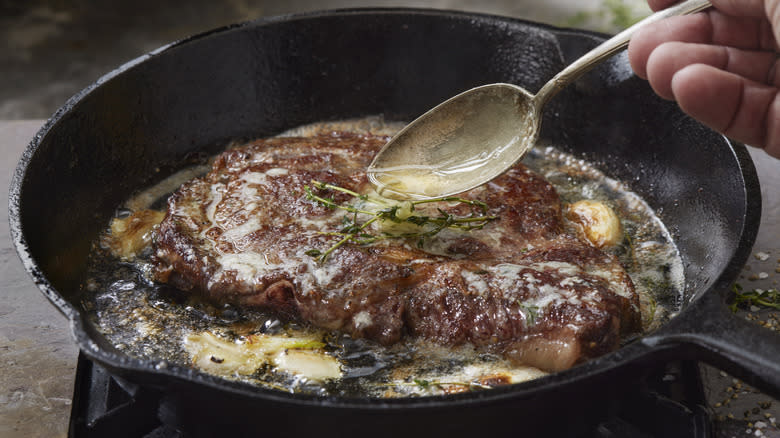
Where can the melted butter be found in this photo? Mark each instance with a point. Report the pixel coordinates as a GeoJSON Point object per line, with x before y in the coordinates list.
{"type": "Point", "coordinates": [246, 265]}
{"type": "Point", "coordinates": [408, 182]}
{"type": "Point", "coordinates": [425, 182]}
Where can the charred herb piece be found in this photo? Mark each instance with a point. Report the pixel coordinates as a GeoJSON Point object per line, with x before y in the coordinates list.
{"type": "Point", "coordinates": [359, 232]}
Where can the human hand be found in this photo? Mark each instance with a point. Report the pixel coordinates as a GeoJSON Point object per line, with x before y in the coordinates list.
{"type": "Point", "coordinates": [719, 65]}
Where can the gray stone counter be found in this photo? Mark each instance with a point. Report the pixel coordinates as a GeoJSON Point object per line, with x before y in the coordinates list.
{"type": "Point", "coordinates": [37, 354]}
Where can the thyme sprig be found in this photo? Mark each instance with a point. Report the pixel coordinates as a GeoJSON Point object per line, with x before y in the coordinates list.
{"type": "Point", "coordinates": [757, 297]}
{"type": "Point", "coordinates": [360, 233]}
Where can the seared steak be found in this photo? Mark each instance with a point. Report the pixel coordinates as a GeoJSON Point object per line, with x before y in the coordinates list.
{"type": "Point", "coordinates": [520, 287]}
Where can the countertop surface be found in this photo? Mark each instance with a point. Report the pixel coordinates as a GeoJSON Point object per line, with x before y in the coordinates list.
{"type": "Point", "coordinates": [38, 355]}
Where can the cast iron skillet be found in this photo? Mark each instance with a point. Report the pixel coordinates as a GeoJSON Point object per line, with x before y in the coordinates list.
{"type": "Point", "coordinates": [150, 116]}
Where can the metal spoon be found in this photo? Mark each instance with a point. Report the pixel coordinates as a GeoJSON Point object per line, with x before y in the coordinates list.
{"type": "Point", "coordinates": [475, 136]}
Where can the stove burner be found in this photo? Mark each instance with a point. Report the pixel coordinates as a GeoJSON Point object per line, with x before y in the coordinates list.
{"type": "Point", "coordinates": [668, 403]}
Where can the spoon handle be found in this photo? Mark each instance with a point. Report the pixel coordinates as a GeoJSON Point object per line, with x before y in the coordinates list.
{"type": "Point", "coordinates": [610, 47]}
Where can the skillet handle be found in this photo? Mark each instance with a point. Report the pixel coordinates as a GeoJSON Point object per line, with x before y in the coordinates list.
{"type": "Point", "coordinates": [710, 332]}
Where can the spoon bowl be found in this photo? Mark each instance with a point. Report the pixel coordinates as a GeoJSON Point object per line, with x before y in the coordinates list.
{"type": "Point", "coordinates": [477, 135]}
{"type": "Point", "coordinates": [466, 140]}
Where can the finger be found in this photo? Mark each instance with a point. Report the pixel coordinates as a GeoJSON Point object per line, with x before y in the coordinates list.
{"type": "Point", "coordinates": [748, 8]}
{"type": "Point", "coordinates": [668, 58]}
{"type": "Point", "coordinates": [739, 108]}
{"type": "Point", "coordinates": [704, 28]}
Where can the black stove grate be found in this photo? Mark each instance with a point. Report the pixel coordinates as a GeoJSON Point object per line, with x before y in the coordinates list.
{"type": "Point", "coordinates": [668, 403]}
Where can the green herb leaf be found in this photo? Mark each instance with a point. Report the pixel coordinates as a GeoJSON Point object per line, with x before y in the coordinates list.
{"type": "Point", "coordinates": [757, 297]}
{"type": "Point", "coordinates": [422, 383]}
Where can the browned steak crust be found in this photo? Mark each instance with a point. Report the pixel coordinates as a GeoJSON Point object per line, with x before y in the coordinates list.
{"type": "Point", "coordinates": [520, 287]}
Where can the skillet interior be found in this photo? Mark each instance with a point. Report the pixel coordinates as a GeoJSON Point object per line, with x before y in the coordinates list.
{"type": "Point", "coordinates": [163, 110]}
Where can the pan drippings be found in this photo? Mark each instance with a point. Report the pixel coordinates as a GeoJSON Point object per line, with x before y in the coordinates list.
{"type": "Point", "coordinates": [159, 323]}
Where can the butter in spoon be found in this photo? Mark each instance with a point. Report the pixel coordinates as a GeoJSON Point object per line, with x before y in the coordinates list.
{"type": "Point", "coordinates": [477, 135]}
